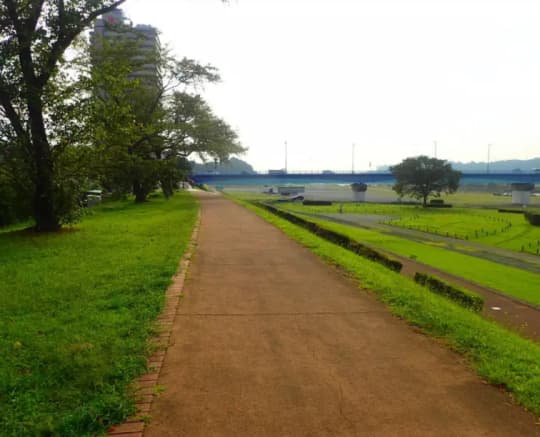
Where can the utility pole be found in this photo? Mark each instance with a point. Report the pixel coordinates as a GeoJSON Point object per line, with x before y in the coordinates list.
{"type": "Point", "coordinates": [489, 157]}
{"type": "Point", "coordinates": [353, 146]}
{"type": "Point", "coordinates": [285, 156]}
{"type": "Point", "coordinates": [435, 148]}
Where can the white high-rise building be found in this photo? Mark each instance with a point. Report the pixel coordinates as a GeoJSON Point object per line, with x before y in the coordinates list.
{"type": "Point", "coordinates": [115, 27]}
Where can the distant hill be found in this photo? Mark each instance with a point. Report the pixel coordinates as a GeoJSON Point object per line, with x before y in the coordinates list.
{"type": "Point", "coordinates": [232, 166]}
{"type": "Point", "coordinates": [508, 166]}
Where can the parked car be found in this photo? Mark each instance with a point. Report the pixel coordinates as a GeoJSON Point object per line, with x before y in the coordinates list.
{"type": "Point", "coordinates": [92, 198]}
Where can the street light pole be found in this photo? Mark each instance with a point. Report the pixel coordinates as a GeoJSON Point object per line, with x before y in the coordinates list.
{"type": "Point", "coordinates": [435, 148]}
{"type": "Point", "coordinates": [353, 146]}
{"type": "Point", "coordinates": [489, 157]}
{"type": "Point", "coordinates": [286, 157]}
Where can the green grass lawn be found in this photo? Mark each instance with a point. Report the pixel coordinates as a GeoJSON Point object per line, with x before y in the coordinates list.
{"type": "Point", "coordinates": [509, 280]}
{"type": "Point", "coordinates": [76, 312]}
{"type": "Point", "coordinates": [500, 356]}
{"type": "Point", "coordinates": [483, 225]}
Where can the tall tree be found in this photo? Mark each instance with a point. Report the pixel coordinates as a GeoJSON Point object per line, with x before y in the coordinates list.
{"type": "Point", "coordinates": [34, 35]}
{"type": "Point", "coordinates": [423, 176]}
{"type": "Point", "coordinates": [145, 129]}
{"type": "Point", "coordinates": [193, 128]}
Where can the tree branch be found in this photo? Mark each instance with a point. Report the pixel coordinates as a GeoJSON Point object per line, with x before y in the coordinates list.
{"type": "Point", "coordinates": [66, 38]}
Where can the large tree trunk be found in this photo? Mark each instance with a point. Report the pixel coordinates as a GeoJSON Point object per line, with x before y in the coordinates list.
{"type": "Point", "coordinates": [140, 192]}
{"type": "Point", "coordinates": [44, 201]}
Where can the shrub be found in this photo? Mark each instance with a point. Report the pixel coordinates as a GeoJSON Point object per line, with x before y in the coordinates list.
{"type": "Point", "coordinates": [436, 202]}
{"type": "Point", "coordinates": [317, 202]}
{"type": "Point", "coordinates": [336, 238]}
{"type": "Point", "coordinates": [511, 211]}
{"type": "Point", "coordinates": [463, 297]}
{"type": "Point", "coordinates": [533, 218]}
{"type": "Point", "coordinates": [438, 205]}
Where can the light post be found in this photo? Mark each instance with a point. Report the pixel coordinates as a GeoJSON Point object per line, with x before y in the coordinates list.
{"type": "Point", "coordinates": [488, 158]}
{"type": "Point", "coordinates": [353, 146]}
{"type": "Point", "coordinates": [286, 157]}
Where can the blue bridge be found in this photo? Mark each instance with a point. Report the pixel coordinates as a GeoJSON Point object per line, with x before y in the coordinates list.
{"type": "Point", "coordinates": [260, 179]}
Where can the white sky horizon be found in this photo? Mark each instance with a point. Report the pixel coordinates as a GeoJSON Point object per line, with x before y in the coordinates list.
{"type": "Point", "coordinates": [389, 76]}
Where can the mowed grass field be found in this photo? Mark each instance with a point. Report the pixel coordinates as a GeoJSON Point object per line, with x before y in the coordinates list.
{"type": "Point", "coordinates": [509, 280]}
{"type": "Point", "coordinates": [76, 311]}
{"type": "Point", "coordinates": [500, 356]}
{"type": "Point", "coordinates": [483, 225]}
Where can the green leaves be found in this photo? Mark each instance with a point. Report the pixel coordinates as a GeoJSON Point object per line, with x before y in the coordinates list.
{"type": "Point", "coordinates": [423, 176]}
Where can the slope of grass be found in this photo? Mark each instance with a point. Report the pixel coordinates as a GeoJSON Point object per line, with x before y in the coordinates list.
{"type": "Point", "coordinates": [509, 280]}
{"type": "Point", "coordinates": [498, 355]}
{"type": "Point", "coordinates": [76, 311]}
{"type": "Point", "coordinates": [483, 225]}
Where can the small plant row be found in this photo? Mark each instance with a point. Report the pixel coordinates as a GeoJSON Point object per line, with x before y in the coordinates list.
{"type": "Point", "coordinates": [464, 298]}
{"type": "Point", "coordinates": [475, 234]}
{"type": "Point", "coordinates": [531, 247]}
{"type": "Point", "coordinates": [335, 237]}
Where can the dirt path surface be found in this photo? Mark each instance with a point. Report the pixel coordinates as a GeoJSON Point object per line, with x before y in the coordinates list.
{"type": "Point", "coordinates": [270, 341]}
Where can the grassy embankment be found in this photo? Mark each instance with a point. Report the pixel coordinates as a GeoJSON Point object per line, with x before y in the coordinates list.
{"type": "Point", "coordinates": [500, 356]}
{"type": "Point", "coordinates": [486, 226]}
{"type": "Point", "coordinates": [76, 311]}
{"type": "Point", "coordinates": [509, 280]}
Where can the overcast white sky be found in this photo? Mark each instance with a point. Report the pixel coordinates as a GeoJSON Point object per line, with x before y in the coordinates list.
{"type": "Point", "coordinates": [390, 76]}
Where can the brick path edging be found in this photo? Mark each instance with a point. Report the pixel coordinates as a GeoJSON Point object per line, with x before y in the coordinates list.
{"type": "Point", "coordinates": [146, 385]}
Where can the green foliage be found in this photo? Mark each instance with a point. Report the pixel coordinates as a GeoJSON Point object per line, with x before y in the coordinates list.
{"type": "Point", "coordinates": [144, 130]}
{"type": "Point", "coordinates": [533, 218]}
{"type": "Point", "coordinates": [501, 357]}
{"type": "Point", "coordinates": [40, 105]}
{"type": "Point", "coordinates": [76, 311]}
{"type": "Point", "coordinates": [463, 297]}
{"type": "Point", "coordinates": [423, 176]}
{"type": "Point", "coordinates": [193, 128]}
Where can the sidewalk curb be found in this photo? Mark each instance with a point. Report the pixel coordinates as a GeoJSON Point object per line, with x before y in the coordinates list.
{"type": "Point", "coordinates": [146, 386]}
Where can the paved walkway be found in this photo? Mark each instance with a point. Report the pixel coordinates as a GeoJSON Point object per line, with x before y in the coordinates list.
{"type": "Point", "coordinates": [270, 341]}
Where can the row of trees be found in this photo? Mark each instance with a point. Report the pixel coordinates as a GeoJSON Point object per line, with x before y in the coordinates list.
{"type": "Point", "coordinates": [72, 117]}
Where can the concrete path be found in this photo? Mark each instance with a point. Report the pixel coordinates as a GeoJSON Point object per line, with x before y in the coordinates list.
{"type": "Point", "coordinates": [270, 341]}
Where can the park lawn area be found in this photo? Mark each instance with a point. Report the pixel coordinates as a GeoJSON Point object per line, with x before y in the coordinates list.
{"type": "Point", "coordinates": [483, 225]}
{"type": "Point", "coordinates": [498, 355]}
{"type": "Point", "coordinates": [509, 280]}
{"type": "Point", "coordinates": [382, 209]}
{"type": "Point", "coordinates": [466, 224]}
{"type": "Point", "coordinates": [77, 309]}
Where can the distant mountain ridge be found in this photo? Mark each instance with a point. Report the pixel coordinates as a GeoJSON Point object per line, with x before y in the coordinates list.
{"type": "Point", "coordinates": [506, 166]}
{"type": "Point", "coordinates": [232, 166]}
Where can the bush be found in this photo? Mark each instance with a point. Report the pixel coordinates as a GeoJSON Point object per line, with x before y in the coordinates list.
{"type": "Point", "coordinates": [336, 238]}
{"type": "Point", "coordinates": [431, 204]}
{"type": "Point", "coordinates": [511, 211]}
{"type": "Point", "coordinates": [317, 202]}
{"type": "Point", "coordinates": [464, 298]}
{"type": "Point", "coordinates": [436, 202]}
{"type": "Point", "coordinates": [533, 218]}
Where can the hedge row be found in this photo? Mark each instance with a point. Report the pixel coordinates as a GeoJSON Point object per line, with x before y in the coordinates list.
{"type": "Point", "coordinates": [533, 218]}
{"type": "Point", "coordinates": [317, 202]}
{"type": "Point", "coordinates": [335, 237]}
{"type": "Point", "coordinates": [439, 205]}
{"type": "Point", "coordinates": [511, 211]}
{"type": "Point", "coordinates": [465, 298]}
